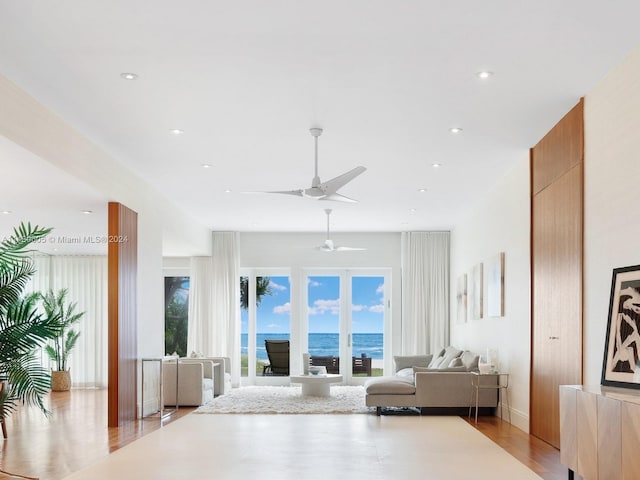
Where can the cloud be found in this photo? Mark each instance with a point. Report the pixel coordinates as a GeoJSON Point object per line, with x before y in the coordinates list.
{"type": "Point", "coordinates": [282, 309]}
{"type": "Point", "coordinates": [277, 286]}
{"type": "Point", "coordinates": [320, 307]}
{"type": "Point", "coordinates": [313, 283]}
{"type": "Point", "coordinates": [377, 308]}
{"type": "Point", "coordinates": [273, 325]}
{"type": "Point", "coordinates": [364, 308]}
{"type": "Point", "coordinates": [380, 289]}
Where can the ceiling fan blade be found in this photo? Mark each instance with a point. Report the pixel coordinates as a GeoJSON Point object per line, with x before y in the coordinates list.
{"type": "Point", "coordinates": [297, 193]}
{"type": "Point", "coordinates": [337, 197]}
{"type": "Point", "coordinates": [333, 185]}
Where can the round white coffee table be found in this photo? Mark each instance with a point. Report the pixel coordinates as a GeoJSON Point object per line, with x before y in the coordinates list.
{"type": "Point", "coordinates": [316, 385]}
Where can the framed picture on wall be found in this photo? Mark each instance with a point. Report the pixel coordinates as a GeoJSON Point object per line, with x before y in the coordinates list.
{"type": "Point", "coordinates": [461, 298]}
{"type": "Point", "coordinates": [495, 286]}
{"type": "Point", "coordinates": [621, 365]}
{"type": "Point", "coordinates": [475, 291]}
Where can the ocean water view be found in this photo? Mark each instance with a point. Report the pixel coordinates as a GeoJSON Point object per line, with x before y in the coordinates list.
{"type": "Point", "coordinates": [321, 344]}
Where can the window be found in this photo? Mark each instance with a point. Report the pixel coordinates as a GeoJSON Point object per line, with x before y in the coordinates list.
{"type": "Point", "coordinates": [176, 315]}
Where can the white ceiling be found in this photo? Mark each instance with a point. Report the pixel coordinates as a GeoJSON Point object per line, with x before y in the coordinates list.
{"type": "Point", "coordinates": [245, 80]}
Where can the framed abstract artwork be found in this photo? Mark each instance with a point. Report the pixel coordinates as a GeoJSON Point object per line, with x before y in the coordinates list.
{"type": "Point", "coordinates": [495, 286]}
{"type": "Point", "coordinates": [461, 298]}
{"type": "Point", "coordinates": [475, 291]}
{"type": "Point", "coordinates": [621, 364]}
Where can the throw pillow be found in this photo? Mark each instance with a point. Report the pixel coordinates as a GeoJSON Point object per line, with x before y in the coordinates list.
{"type": "Point", "coordinates": [437, 358]}
{"type": "Point", "coordinates": [470, 361]}
{"type": "Point", "coordinates": [456, 362]}
{"type": "Point", "coordinates": [449, 354]}
{"type": "Point", "coordinates": [408, 361]}
{"type": "Point", "coordinates": [405, 372]}
{"type": "Point", "coordinates": [439, 370]}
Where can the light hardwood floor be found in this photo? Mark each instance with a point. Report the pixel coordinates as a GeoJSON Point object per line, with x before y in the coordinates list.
{"type": "Point", "coordinates": [76, 436]}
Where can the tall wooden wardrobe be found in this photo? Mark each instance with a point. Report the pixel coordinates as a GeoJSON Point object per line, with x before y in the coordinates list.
{"type": "Point", "coordinates": [557, 172]}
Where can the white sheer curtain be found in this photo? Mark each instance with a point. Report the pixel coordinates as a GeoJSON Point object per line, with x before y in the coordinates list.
{"type": "Point", "coordinates": [214, 302]}
{"type": "Point", "coordinates": [425, 291]}
{"type": "Point", "coordinates": [85, 278]}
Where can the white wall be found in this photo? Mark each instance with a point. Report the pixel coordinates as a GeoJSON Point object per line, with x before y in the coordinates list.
{"type": "Point", "coordinates": [296, 251]}
{"type": "Point", "coordinates": [499, 222]}
{"type": "Point", "coordinates": [612, 198]}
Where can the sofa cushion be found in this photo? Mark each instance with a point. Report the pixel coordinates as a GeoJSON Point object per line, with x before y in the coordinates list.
{"type": "Point", "coordinates": [437, 358]}
{"type": "Point", "coordinates": [405, 373]}
{"type": "Point", "coordinates": [470, 361]}
{"type": "Point", "coordinates": [390, 386]}
{"type": "Point", "coordinates": [408, 361]}
{"type": "Point", "coordinates": [456, 362]}
{"type": "Point", "coordinates": [449, 354]}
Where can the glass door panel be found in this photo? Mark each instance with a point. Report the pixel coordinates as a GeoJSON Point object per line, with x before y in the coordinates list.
{"type": "Point", "coordinates": [323, 321]}
{"type": "Point", "coordinates": [367, 325]}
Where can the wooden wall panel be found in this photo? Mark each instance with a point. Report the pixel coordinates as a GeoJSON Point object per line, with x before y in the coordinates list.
{"type": "Point", "coordinates": [559, 151]}
{"type": "Point", "coordinates": [556, 271]}
{"type": "Point", "coordinates": [122, 272]}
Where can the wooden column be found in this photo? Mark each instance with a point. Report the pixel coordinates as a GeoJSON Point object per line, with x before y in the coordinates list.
{"type": "Point", "coordinates": [556, 270]}
{"type": "Point", "coordinates": [122, 308]}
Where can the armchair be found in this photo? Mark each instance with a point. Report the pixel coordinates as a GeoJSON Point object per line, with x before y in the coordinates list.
{"type": "Point", "coordinates": [195, 382]}
{"type": "Point", "coordinates": [221, 372]}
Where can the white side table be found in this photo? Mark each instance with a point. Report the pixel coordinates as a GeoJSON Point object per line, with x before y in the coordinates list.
{"type": "Point", "coordinates": [163, 412]}
{"type": "Point", "coordinates": [316, 385]}
{"type": "Point", "coordinates": [501, 384]}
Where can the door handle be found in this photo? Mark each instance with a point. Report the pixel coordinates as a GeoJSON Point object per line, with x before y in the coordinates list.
{"type": "Point", "coordinates": [554, 338]}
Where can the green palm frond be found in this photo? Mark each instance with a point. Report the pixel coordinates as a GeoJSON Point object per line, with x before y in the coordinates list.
{"type": "Point", "coordinates": [28, 381]}
{"type": "Point", "coordinates": [55, 306]}
{"type": "Point", "coordinates": [22, 328]}
{"type": "Point", "coordinates": [13, 248]}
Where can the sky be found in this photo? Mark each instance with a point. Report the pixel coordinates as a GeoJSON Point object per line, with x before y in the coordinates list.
{"type": "Point", "coordinates": [273, 314]}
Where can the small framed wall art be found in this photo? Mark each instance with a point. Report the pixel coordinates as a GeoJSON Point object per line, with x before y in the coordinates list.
{"type": "Point", "coordinates": [621, 364]}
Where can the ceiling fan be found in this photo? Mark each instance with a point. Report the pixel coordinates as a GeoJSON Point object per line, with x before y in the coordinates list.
{"type": "Point", "coordinates": [328, 245]}
{"type": "Point", "coordinates": [325, 190]}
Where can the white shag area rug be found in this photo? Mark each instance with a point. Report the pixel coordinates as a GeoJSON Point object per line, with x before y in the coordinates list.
{"type": "Point", "coordinates": [269, 399]}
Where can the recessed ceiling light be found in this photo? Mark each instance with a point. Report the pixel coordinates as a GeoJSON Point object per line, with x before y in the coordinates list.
{"type": "Point", "coordinates": [129, 76]}
{"type": "Point", "coordinates": [455, 130]}
{"type": "Point", "coordinates": [484, 74]}
{"type": "Point", "coordinates": [176, 131]}
{"type": "Point", "coordinates": [87, 212]}
{"type": "Point", "coordinates": [436, 165]}
{"type": "Point", "coordinates": [6, 212]}
{"type": "Point", "coordinates": [412, 210]}
{"type": "Point", "coordinates": [228, 190]}
{"type": "Point", "coordinates": [422, 190]}
{"type": "Point", "coordinates": [206, 165]}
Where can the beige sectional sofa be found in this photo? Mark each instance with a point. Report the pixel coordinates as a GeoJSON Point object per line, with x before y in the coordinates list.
{"type": "Point", "coordinates": [438, 383]}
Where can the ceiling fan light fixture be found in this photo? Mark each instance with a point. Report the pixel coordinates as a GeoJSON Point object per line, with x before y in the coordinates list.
{"type": "Point", "coordinates": [128, 76]}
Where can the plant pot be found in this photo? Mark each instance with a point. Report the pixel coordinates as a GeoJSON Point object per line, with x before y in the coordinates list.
{"type": "Point", "coordinates": [60, 380]}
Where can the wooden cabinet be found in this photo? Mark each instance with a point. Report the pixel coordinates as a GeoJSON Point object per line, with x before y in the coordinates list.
{"type": "Point", "coordinates": [600, 432]}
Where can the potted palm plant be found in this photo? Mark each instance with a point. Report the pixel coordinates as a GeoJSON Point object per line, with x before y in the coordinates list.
{"type": "Point", "coordinates": [55, 306]}
{"type": "Point", "coordinates": [22, 328]}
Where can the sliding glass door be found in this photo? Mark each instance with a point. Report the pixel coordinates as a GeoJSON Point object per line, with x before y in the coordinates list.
{"type": "Point", "coordinates": [265, 314]}
{"type": "Point", "coordinates": [345, 321]}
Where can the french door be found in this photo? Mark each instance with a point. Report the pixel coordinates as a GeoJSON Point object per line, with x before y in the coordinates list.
{"type": "Point", "coordinates": [344, 320]}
